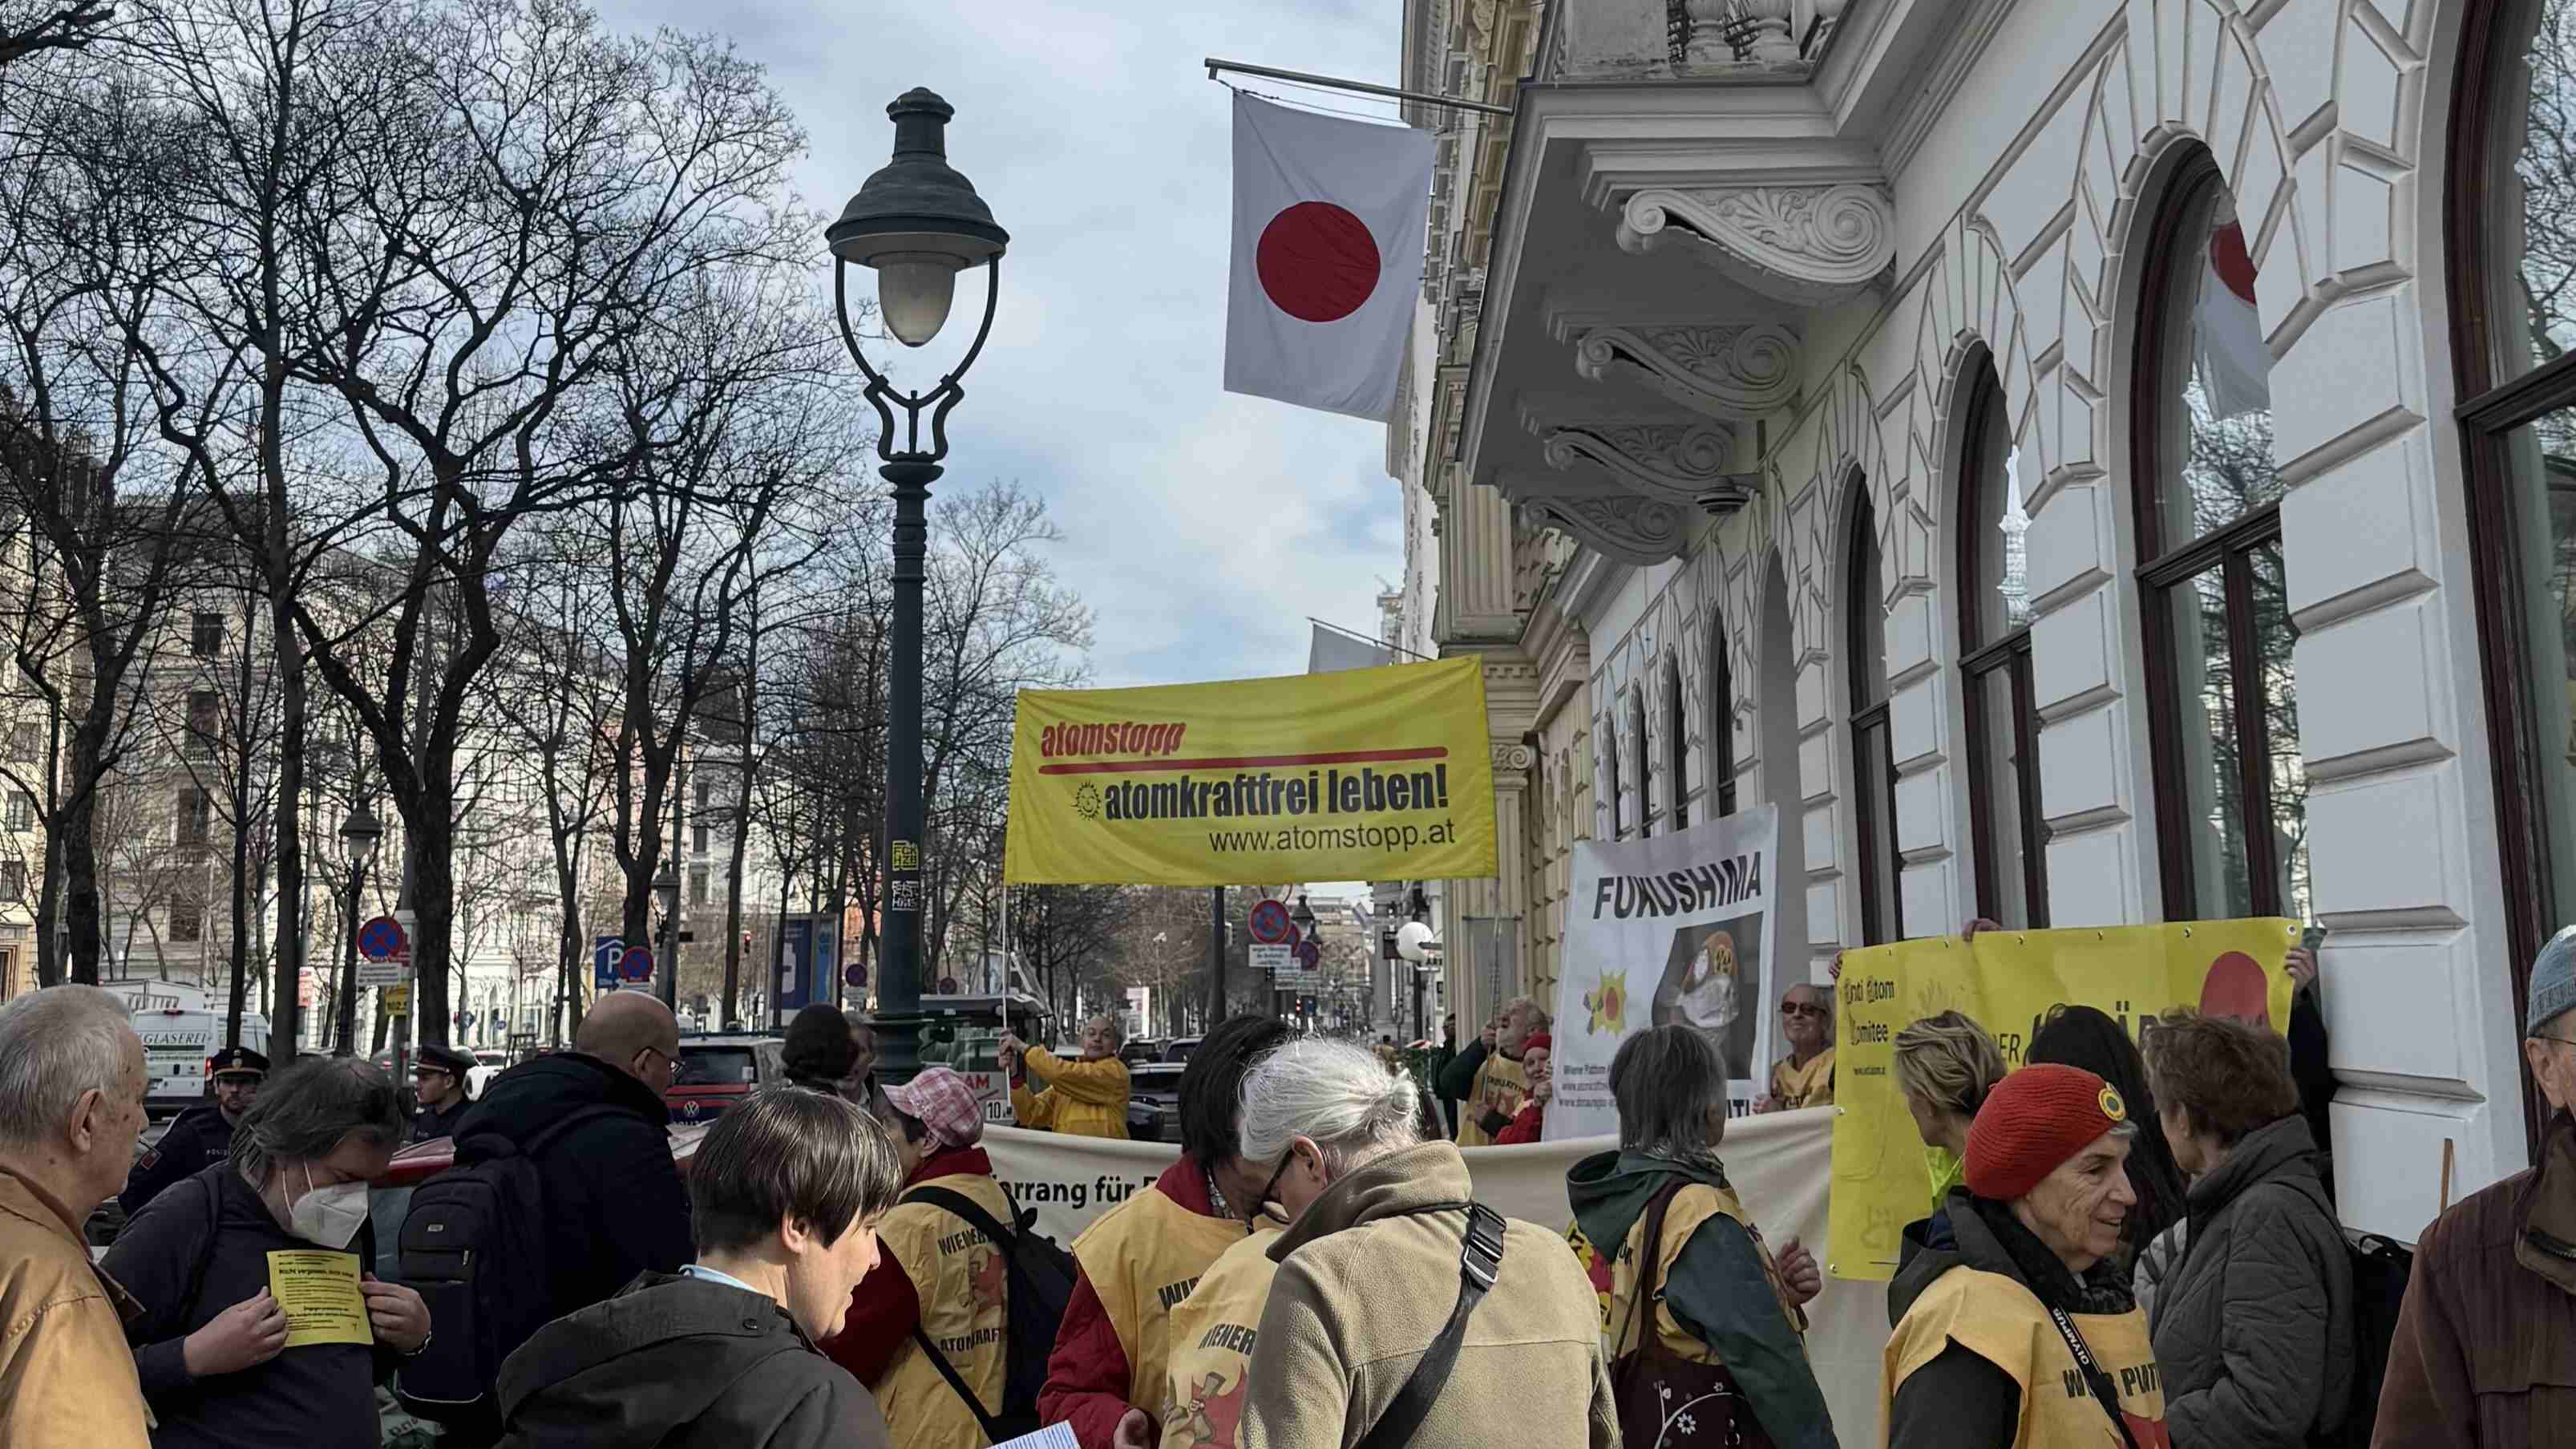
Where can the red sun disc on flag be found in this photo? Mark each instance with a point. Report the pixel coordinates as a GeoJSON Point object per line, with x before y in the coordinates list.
{"type": "Point", "coordinates": [1317, 262]}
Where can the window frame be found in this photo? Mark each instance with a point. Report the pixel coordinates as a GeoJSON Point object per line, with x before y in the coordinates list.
{"type": "Point", "coordinates": [1646, 813]}
{"type": "Point", "coordinates": [1979, 509]}
{"type": "Point", "coordinates": [1721, 718]}
{"type": "Point", "coordinates": [2487, 412]}
{"type": "Point", "coordinates": [2162, 569]}
{"type": "Point", "coordinates": [1676, 744]}
{"type": "Point", "coordinates": [1870, 719]}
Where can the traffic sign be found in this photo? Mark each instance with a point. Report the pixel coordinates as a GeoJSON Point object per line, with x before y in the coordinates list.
{"type": "Point", "coordinates": [636, 964]}
{"type": "Point", "coordinates": [382, 939]}
{"type": "Point", "coordinates": [855, 974]}
{"type": "Point", "coordinates": [605, 952]}
{"type": "Point", "coordinates": [398, 998]}
{"type": "Point", "coordinates": [1270, 923]}
{"type": "Point", "coordinates": [1275, 956]}
{"type": "Point", "coordinates": [1308, 954]}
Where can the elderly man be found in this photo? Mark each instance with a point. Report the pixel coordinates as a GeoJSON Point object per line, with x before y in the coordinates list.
{"type": "Point", "coordinates": [203, 1135]}
{"type": "Point", "coordinates": [2485, 1350]}
{"type": "Point", "coordinates": [1489, 1079]}
{"type": "Point", "coordinates": [72, 1083]}
{"type": "Point", "coordinates": [1084, 1098]}
{"type": "Point", "coordinates": [1805, 1077]}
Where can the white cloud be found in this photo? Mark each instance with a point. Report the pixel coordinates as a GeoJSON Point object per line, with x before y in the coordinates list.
{"type": "Point", "coordinates": [1203, 527]}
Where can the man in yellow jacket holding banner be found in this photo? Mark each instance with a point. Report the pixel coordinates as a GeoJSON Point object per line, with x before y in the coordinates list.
{"type": "Point", "coordinates": [1086, 1097]}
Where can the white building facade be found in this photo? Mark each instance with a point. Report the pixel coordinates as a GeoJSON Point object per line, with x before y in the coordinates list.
{"type": "Point", "coordinates": [1764, 330]}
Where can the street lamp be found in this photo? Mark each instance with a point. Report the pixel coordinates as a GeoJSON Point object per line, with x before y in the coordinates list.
{"type": "Point", "coordinates": [918, 223]}
{"type": "Point", "coordinates": [360, 835]}
{"type": "Point", "coordinates": [666, 890]}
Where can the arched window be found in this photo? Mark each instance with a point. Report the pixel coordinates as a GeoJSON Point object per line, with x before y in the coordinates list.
{"type": "Point", "coordinates": [2510, 238]}
{"type": "Point", "coordinates": [1721, 720]}
{"type": "Point", "coordinates": [1882, 914]}
{"type": "Point", "coordinates": [2231, 798]}
{"type": "Point", "coordinates": [1610, 758]}
{"type": "Point", "coordinates": [1994, 658]}
{"type": "Point", "coordinates": [1676, 752]}
{"type": "Point", "coordinates": [1637, 742]}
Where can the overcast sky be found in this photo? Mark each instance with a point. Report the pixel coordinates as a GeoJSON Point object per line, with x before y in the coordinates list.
{"type": "Point", "coordinates": [1201, 526]}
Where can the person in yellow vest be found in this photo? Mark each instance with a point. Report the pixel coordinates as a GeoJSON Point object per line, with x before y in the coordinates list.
{"type": "Point", "coordinates": [1805, 1077]}
{"type": "Point", "coordinates": [1141, 1260]}
{"type": "Point", "coordinates": [1086, 1097]}
{"type": "Point", "coordinates": [1944, 1066]}
{"type": "Point", "coordinates": [1725, 1332]}
{"type": "Point", "coordinates": [1500, 1086]}
{"type": "Point", "coordinates": [1314, 1111]}
{"type": "Point", "coordinates": [936, 1273]}
{"type": "Point", "coordinates": [2026, 1334]}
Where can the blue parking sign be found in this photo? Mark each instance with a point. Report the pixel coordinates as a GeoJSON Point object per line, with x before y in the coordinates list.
{"type": "Point", "coordinates": [604, 954]}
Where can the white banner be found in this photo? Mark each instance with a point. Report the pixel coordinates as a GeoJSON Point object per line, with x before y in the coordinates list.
{"type": "Point", "coordinates": [1781, 1165]}
{"type": "Point", "coordinates": [1667, 928]}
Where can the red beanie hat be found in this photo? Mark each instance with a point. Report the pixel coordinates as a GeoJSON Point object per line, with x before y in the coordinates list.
{"type": "Point", "coordinates": [2033, 1121]}
{"type": "Point", "coordinates": [1539, 1041]}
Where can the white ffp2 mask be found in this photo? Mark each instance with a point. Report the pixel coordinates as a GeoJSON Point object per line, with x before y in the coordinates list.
{"type": "Point", "coordinates": [330, 1215]}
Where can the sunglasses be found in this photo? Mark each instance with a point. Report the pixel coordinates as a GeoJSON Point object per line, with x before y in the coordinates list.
{"type": "Point", "coordinates": [1800, 1008]}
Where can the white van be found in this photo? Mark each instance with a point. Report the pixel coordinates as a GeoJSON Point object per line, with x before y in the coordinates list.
{"type": "Point", "coordinates": [177, 1040]}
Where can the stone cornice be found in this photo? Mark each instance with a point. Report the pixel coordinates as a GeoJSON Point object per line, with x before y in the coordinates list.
{"type": "Point", "coordinates": [1810, 246]}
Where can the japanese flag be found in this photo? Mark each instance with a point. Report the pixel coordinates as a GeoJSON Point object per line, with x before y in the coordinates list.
{"type": "Point", "coordinates": [1328, 236]}
{"type": "Point", "coordinates": [2235, 365]}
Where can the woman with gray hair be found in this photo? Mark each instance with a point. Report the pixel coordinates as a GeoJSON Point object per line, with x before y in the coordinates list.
{"type": "Point", "coordinates": [1723, 1340]}
{"type": "Point", "coordinates": [211, 1344]}
{"type": "Point", "coordinates": [1368, 1279]}
{"type": "Point", "coordinates": [1313, 1112]}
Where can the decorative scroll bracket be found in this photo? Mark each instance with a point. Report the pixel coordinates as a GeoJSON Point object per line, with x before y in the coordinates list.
{"type": "Point", "coordinates": [1809, 246]}
{"type": "Point", "coordinates": [1676, 462]}
{"type": "Point", "coordinates": [1727, 373]}
{"type": "Point", "coordinates": [1627, 527]}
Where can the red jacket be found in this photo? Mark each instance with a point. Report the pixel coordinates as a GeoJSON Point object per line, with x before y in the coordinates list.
{"type": "Point", "coordinates": [1524, 1127]}
{"type": "Point", "coordinates": [1088, 1376]}
{"type": "Point", "coordinates": [884, 1309]}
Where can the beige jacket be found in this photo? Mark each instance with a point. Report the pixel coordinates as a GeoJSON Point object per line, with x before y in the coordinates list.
{"type": "Point", "coordinates": [1367, 1277]}
{"type": "Point", "coordinates": [66, 1376]}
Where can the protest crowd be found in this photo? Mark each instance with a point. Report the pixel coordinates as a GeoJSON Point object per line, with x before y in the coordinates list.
{"type": "Point", "coordinates": [2122, 1246]}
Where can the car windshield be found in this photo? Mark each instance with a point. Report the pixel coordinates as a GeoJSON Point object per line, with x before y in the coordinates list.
{"type": "Point", "coordinates": [1163, 1078]}
{"type": "Point", "coordinates": [715, 1066]}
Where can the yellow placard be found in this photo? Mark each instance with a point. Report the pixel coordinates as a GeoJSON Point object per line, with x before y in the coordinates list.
{"type": "Point", "coordinates": [397, 998]}
{"type": "Point", "coordinates": [2008, 981]}
{"type": "Point", "coordinates": [318, 1291]}
{"type": "Point", "coordinates": [1364, 774]}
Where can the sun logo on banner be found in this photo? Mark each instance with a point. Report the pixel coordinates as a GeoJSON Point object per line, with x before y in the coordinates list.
{"type": "Point", "coordinates": [1086, 802]}
{"type": "Point", "coordinates": [1608, 1003]}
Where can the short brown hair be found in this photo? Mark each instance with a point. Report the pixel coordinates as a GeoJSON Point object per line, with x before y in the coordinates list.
{"type": "Point", "coordinates": [790, 1154]}
{"type": "Point", "coordinates": [2227, 1078]}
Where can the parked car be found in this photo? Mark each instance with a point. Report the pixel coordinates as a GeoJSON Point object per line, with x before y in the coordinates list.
{"type": "Point", "coordinates": [489, 1062]}
{"type": "Point", "coordinates": [1180, 1047]}
{"type": "Point", "coordinates": [718, 1069]}
{"type": "Point", "coordinates": [1143, 1049]}
{"type": "Point", "coordinates": [1154, 1102]}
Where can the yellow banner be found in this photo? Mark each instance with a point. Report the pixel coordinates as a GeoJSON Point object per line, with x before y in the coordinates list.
{"type": "Point", "coordinates": [2008, 981]}
{"type": "Point", "coordinates": [1362, 774]}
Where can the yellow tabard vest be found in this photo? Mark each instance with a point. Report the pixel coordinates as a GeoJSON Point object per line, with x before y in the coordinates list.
{"type": "Point", "coordinates": [1143, 1258]}
{"type": "Point", "coordinates": [1810, 1086]}
{"type": "Point", "coordinates": [2000, 1321]}
{"type": "Point", "coordinates": [1695, 1204]}
{"type": "Point", "coordinates": [1500, 1086]}
{"type": "Point", "coordinates": [961, 1281]}
{"type": "Point", "coordinates": [1212, 1333]}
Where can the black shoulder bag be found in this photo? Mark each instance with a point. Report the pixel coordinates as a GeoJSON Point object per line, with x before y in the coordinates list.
{"type": "Point", "coordinates": [2094, 1377]}
{"type": "Point", "coordinates": [1479, 1259]}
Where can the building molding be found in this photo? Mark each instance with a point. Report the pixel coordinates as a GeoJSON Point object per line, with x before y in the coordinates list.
{"type": "Point", "coordinates": [1628, 527]}
{"type": "Point", "coordinates": [1728, 373]}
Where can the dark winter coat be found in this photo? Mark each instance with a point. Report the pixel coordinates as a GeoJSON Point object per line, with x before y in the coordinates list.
{"type": "Point", "coordinates": [2253, 1330]}
{"type": "Point", "coordinates": [614, 1205]}
{"type": "Point", "coordinates": [321, 1393]}
{"type": "Point", "coordinates": [682, 1363]}
{"type": "Point", "coordinates": [201, 1137]}
{"type": "Point", "coordinates": [2485, 1351]}
{"type": "Point", "coordinates": [428, 1124]}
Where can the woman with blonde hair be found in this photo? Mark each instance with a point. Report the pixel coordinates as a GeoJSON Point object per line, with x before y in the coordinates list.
{"type": "Point", "coordinates": [1945, 1065]}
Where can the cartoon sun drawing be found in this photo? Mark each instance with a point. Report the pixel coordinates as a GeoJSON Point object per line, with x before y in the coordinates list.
{"type": "Point", "coordinates": [1086, 802]}
{"type": "Point", "coordinates": [1608, 1003]}
{"type": "Point", "coordinates": [1213, 1416]}
{"type": "Point", "coordinates": [984, 1281]}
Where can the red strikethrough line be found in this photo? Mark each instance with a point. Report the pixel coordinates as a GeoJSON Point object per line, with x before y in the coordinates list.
{"type": "Point", "coordinates": [1245, 762]}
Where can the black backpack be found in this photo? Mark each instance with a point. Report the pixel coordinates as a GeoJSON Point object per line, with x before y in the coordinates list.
{"type": "Point", "coordinates": [2380, 1270]}
{"type": "Point", "coordinates": [1039, 1280]}
{"type": "Point", "coordinates": [473, 1245]}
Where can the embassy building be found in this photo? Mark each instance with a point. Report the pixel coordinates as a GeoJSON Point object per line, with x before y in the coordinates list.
{"type": "Point", "coordinates": [2086, 463]}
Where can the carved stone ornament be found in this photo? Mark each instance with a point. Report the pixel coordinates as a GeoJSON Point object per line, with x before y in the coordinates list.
{"type": "Point", "coordinates": [1629, 528]}
{"type": "Point", "coordinates": [1512, 757]}
{"type": "Point", "coordinates": [1728, 373]}
{"type": "Point", "coordinates": [1675, 461]}
{"type": "Point", "coordinates": [1810, 246]}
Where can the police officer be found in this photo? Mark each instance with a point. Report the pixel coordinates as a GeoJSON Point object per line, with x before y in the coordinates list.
{"type": "Point", "coordinates": [203, 1135]}
{"type": "Point", "coordinates": [438, 1081]}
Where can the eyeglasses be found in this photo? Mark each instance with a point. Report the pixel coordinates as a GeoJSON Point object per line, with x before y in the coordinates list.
{"type": "Point", "coordinates": [1800, 1008]}
{"type": "Point", "coordinates": [1263, 1197]}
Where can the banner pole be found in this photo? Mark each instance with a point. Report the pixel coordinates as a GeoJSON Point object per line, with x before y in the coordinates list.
{"type": "Point", "coordinates": [1216, 957]}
